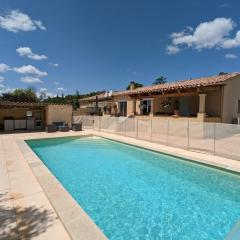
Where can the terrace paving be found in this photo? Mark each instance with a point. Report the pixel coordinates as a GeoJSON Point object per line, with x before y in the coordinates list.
{"type": "Point", "coordinates": [34, 205]}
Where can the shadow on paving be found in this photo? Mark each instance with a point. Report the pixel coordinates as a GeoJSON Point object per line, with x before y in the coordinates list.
{"type": "Point", "coordinates": [31, 221]}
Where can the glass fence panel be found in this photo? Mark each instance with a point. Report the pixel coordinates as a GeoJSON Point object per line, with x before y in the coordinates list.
{"type": "Point", "coordinates": [159, 130]}
{"type": "Point", "coordinates": [144, 129]}
{"type": "Point", "coordinates": [178, 133]}
{"type": "Point", "coordinates": [96, 122]}
{"type": "Point", "coordinates": [131, 130]}
{"type": "Point", "coordinates": [227, 140]}
{"type": "Point", "coordinates": [111, 124]}
{"type": "Point", "coordinates": [121, 125]}
{"type": "Point", "coordinates": [201, 136]}
{"type": "Point", "coordinates": [87, 121]}
{"type": "Point", "coordinates": [216, 138]}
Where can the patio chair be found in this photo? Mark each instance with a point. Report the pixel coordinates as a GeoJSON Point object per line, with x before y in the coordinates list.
{"type": "Point", "coordinates": [58, 124]}
{"type": "Point", "coordinates": [77, 127]}
{"type": "Point", "coordinates": [63, 128]}
{"type": "Point", "coordinates": [51, 128]}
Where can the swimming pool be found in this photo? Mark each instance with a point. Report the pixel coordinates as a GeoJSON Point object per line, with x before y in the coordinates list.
{"type": "Point", "coordinates": [132, 193]}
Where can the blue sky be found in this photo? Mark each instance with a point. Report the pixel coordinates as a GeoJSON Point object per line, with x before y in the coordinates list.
{"type": "Point", "coordinates": [90, 45]}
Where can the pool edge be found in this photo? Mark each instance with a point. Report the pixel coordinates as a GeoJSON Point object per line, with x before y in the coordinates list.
{"type": "Point", "coordinates": [142, 144]}
{"type": "Point", "coordinates": [76, 221]}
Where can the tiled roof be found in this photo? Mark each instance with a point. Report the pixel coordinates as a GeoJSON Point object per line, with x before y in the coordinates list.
{"type": "Point", "coordinates": [92, 98]}
{"type": "Point", "coordinates": [30, 104]}
{"type": "Point", "coordinates": [186, 84]}
{"type": "Point", "coordinates": [27, 104]}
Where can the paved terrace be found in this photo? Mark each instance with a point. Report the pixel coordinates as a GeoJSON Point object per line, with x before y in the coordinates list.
{"type": "Point", "coordinates": [34, 205]}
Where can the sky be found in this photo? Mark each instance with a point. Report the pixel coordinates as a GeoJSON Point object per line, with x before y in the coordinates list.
{"type": "Point", "coordinates": [86, 45]}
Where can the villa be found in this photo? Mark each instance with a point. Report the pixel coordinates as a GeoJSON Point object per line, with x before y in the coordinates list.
{"type": "Point", "coordinates": [125, 178]}
{"type": "Point", "coordinates": [207, 99]}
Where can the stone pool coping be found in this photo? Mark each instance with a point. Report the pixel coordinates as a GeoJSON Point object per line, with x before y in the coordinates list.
{"type": "Point", "coordinates": [22, 165]}
{"type": "Point", "coordinates": [77, 223]}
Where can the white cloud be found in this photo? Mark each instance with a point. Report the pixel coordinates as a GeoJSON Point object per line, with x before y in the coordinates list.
{"type": "Point", "coordinates": [1, 79]}
{"type": "Point", "coordinates": [7, 89]}
{"type": "Point", "coordinates": [54, 64]}
{"type": "Point", "coordinates": [30, 79]}
{"type": "Point", "coordinates": [61, 89]}
{"type": "Point", "coordinates": [171, 50]}
{"type": "Point", "coordinates": [231, 43]}
{"type": "Point", "coordinates": [57, 83]}
{"type": "Point", "coordinates": [43, 89]}
{"type": "Point", "coordinates": [26, 51]}
{"type": "Point", "coordinates": [2, 86]}
{"type": "Point", "coordinates": [4, 67]}
{"type": "Point", "coordinates": [29, 69]}
{"type": "Point", "coordinates": [40, 25]}
{"type": "Point", "coordinates": [231, 56]}
{"type": "Point", "coordinates": [212, 34]}
{"type": "Point", "coordinates": [15, 21]}
{"type": "Point", "coordinates": [46, 93]}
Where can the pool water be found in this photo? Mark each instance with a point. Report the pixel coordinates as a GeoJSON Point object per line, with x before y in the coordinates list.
{"type": "Point", "coordinates": [132, 193]}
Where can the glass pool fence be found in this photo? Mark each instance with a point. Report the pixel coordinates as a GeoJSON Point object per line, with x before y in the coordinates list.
{"type": "Point", "coordinates": [214, 138]}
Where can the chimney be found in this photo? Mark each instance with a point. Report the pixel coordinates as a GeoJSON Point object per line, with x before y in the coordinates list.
{"type": "Point", "coordinates": [132, 85]}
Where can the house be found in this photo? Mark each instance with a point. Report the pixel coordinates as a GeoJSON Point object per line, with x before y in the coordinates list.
{"type": "Point", "coordinates": [32, 116]}
{"type": "Point", "coordinates": [208, 99]}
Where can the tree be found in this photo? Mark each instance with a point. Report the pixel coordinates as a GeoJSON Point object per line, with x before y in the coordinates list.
{"type": "Point", "coordinates": [160, 80]}
{"type": "Point", "coordinates": [42, 96]}
{"type": "Point", "coordinates": [136, 85]}
{"type": "Point", "coordinates": [222, 73]}
{"type": "Point", "coordinates": [20, 95]}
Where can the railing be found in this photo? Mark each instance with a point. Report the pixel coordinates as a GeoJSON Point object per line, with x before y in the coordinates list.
{"type": "Point", "coordinates": [214, 138]}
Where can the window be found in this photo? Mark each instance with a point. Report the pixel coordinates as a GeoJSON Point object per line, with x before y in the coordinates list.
{"type": "Point", "coordinates": [146, 107]}
{"type": "Point", "coordinates": [29, 113]}
{"type": "Point", "coordinates": [123, 109]}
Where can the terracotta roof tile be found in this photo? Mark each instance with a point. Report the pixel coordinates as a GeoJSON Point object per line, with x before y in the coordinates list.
{"type": "Point", "coordinates": [184, 84]}
{"type": "Point", "coordinates": [193, 83]}
{"type": "Point", "coordinates": [28, 104]}
{"type": "Point", "coordinates": [92, 98]}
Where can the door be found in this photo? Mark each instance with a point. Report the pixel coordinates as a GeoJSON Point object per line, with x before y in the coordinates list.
{"type": "Point", "coordinates": [146, 106]}
{"type": "Point", "coordinates": [123, 109]}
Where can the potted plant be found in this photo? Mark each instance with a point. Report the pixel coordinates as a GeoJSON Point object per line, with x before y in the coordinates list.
{"type": "Point", "coordinates": [176, 108]}
{"type": "Point", "coordinates": [115, 109]}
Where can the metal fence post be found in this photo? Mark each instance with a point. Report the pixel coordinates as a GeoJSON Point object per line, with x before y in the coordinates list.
{"type": "Point", "coordinates": [214, 139]}
{"type": "Point", "coordinates": [136, 127]}
{"type": "Point", "coordinates": [125, 126]}
{"type": "Point", "coordinates": [151, 130]}
{"type": "Point", "coordinates": [99, 123]}
{"type": "Point", "coordinates": [167, 131]}
{"type": "Point", "coordinates": [188, 136]}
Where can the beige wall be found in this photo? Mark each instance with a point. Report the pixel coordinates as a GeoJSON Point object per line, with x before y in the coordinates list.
{"type": "Point", "coordinates": [231, 95]}
{"type": "Point", "coordinates": [213, 103]}
{"type": "Point", "coordinates": [59, 113]}
{"type": "Point", "coordinates": [138, 110]}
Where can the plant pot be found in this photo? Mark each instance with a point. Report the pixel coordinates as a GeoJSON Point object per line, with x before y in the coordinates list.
{"type": "Point", "coordinates": [176, 112]}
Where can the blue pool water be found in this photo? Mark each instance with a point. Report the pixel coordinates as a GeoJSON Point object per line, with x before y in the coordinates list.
{"type": "Point", "coordinates": [131, 193]}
